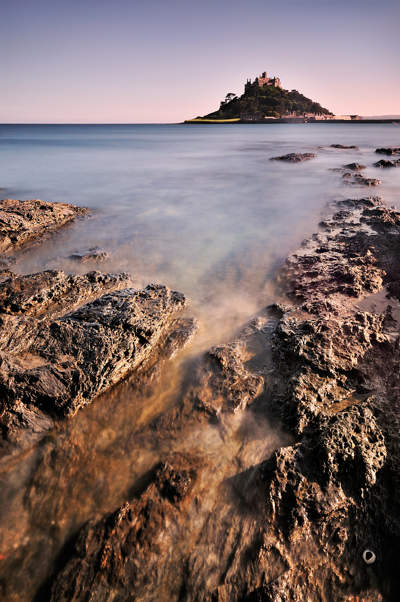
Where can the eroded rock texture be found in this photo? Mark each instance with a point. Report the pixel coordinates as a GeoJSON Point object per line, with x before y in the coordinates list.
{"type": "Point", "coordinates": [25, 221]}
{"type": "Point", "coordinates": [290, 524]}
{"type": "Point", "coordinates": [64, 339]}
{"type": "Point", "coordinates": [295, 157]}
{"type": "Point", "coordinates": [360, 180]}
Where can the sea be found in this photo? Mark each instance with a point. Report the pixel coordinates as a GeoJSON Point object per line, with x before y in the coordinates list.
{"type": "Point", "coordinates": [199, 208]}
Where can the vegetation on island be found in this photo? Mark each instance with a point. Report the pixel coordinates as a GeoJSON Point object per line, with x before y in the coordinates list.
{"type": "Point", "coordinates": [268, 101]}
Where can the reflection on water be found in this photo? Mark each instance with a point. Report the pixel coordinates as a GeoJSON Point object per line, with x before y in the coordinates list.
{"type": "Point", "coordinates": [200, 209]}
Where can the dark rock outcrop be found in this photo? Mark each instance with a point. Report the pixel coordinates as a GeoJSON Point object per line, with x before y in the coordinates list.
{"type": "Point", "coordinates": [94, 254]}
{"type": "Point", "coordinates": [358, 179]}
{"type": "Point", "coordinates": [57, 354]}
{"type": "Point", "coordinates": [389, 150]}
{"type": "Point", "coordinates": [387, 163]}
{"type": "Point", "coordinates": [295, 157]}
{"type": "Point", "coordinates": [22, 222]}
{"type": "Point", "coordinates": [110, 554]}
{"type": "Point", "coordinates": [354, 166]}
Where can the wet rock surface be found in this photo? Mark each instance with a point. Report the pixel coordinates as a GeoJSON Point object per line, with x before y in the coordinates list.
{"type": "Point", "coordinates": [22, 222]}
{"type": "Point", "coordinates": [65, 338]}
{"type": "Point", "coordinates": [53, 360]}
{"type": "Point", "coordinates": [354, 166]}
{"type": "Point", "coordinates": [360, 180]}
{"type": "Point", "coordinates": [389, 150]}
{"type": "Point", "coordinates": [387, 163]}
{"type": "Point", "coordinates": [344, 146]}
{"type": "Point", "coordinates": [294, 521]}
{"type": "Point", "coordinates": [295, 157]}
{"type": "Point", "coordinates": [94, 254]}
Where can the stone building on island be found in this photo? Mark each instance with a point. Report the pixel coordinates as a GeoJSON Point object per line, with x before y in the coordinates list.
{"type": "Point", "coordinates": [261, 81]}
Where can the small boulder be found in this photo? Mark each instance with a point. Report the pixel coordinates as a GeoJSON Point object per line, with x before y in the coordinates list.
{"type": "Point", "coordinates": [354, 166]}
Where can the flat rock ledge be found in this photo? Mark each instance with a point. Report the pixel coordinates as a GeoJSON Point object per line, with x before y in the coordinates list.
{"type": "Point", "coordinates": [358, 179]}
{"type": "Point", "coordinates": [295, 157]}
{"type": "Point", "coordinates": [22, 222]}
{"type": "Point", "coordinates": [316, 519]}
{"type": "Point", "coordinates": [65, 339]}
{"type": "Point", "coordinates": [345, 146]}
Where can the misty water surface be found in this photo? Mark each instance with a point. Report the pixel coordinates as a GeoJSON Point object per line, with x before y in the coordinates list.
{"type": "Point", "coordinates": [199, 208]}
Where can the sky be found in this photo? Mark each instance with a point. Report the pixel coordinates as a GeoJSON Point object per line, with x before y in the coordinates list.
{"type": "Point", "coordinates": [152, 61]}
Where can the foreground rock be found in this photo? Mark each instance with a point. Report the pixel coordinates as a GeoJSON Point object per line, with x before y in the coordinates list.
{"type": "Point", "coordinates": [295, 157]}
{"type": "Point", "coordinates": [25, 221]}
{"type": "Point", "coordinates": [61, 344]}
{"type": "Point", "coordinates": [317, 519]}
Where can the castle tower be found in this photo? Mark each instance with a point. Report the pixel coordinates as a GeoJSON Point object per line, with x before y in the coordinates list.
{"type": "Point", "coordinates": [263, 80]}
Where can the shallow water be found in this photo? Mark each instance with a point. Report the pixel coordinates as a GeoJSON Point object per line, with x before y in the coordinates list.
{"type": "Point", "coordinates": [199, 208]}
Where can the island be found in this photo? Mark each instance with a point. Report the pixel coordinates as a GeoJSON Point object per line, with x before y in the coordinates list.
{"type": "Point", "coordinates": [264, 100]}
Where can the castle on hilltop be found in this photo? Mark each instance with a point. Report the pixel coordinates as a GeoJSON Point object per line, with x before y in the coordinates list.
{"type": "Point", "coordinates": [261, 81]}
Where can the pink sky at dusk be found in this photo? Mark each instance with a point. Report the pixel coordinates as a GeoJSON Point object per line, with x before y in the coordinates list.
{"type": "Point", "coordinates": [125, 62]}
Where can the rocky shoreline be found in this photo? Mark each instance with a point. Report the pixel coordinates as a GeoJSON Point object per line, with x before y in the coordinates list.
{"type": "Point", "coordinates": [64, 339]}
{"type": "Point", "coordinates": [283, 480]}
{"type": "Point", "coordinates": [318, 519]}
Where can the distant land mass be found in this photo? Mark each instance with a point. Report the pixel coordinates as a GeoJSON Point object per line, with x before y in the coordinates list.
{"type": "Point", "coordinates": [264, 98]}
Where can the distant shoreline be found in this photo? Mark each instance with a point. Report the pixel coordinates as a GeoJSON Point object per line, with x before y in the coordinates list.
{"type": "Point", "coordinates": [287, 121]}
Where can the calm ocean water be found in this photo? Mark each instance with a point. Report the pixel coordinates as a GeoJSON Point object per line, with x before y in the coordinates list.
{"type": "Point", "coordinates": [199, 208]}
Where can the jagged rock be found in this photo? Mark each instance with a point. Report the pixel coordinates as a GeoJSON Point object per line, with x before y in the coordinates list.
{"type": "Point", "coordinates": [225, 385]}
{"type": "Point", "coordinates": [94, 254]}
{"type": "Point", "coordinates": [55, 363]}
{"type": "Point", "coordinates": [25, 221]}
{"type": "Point", "coordinates": [387, 163]}
{"type": "Point", "coordinates": [295, 157]}
{"type": "Point", "coordinates": [34, 294]}
{"type": "Point", "coordinates": [354, 166]}
{"type": "Point", "coordinates": [394, 150]}
{"type": "Point", "coordinates": [360, 180]}
{"type": "Point", "coordinates": [344, 146]}
{"type": "Point", "coordinates": [126, 546]}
